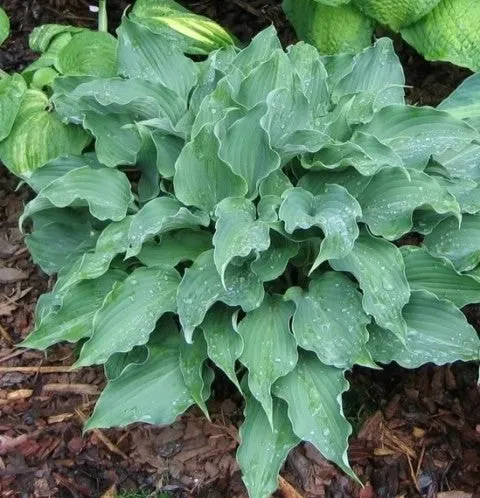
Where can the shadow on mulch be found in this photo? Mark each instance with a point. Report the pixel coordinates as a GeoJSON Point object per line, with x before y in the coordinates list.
{"type": "Point", "coordinates": [417, 432]}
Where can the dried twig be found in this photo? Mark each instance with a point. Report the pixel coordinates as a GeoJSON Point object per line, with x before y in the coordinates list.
{"type": "Point", "coordinates": [6, 335]}
{"type": "Point", "coordinates": [287, 490]}
{"type": "Point", "coordinates": [70, 388]}
{"type": "Point", "coordinates": [36, 370]}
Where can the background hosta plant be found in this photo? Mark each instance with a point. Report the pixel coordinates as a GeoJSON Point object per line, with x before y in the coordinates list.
{"type": "Point", "coordinates": [240, 214]}
{"type": "Point", "coordinates": [444, 30]}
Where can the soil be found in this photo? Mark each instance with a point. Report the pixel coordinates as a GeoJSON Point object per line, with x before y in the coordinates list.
{"type": "Point", "coordinates": [417, 433]}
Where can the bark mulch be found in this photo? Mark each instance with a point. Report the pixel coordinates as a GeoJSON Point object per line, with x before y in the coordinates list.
{"type": "Point", "coordinates": [417, 433]}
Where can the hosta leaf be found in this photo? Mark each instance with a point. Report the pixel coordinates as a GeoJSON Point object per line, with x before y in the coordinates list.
{"type": "Point", "coordinates": [330, 321]}
{"type": "Point", "coordinates": [237, 233]}
{"type": "Point", "coordinates": [42, 37]}
{"type": "Point", "coordinates": [464, 164]}
{"type": "Point", "coordinates": [391, 197]}
{"type": "Point", "coordinates": [49, 57]}
{"type": "Point", "coordinates": [464, 101]}
{"type": "Point", "coordinates": [438, 332]}
{"type": "Point", "coordinates": [350, 179]}
{"type": "Point", "coordinates": [224, 344]}
{"type": "Point", "coordinates": [416, 133]}
{"type": "Point", "coordinates": [59, 237]}
{"type": "Point", "coordinates": [332, 29]}
{"type": "Point", "coordinates": [457, 243]}
{"type": "Point", "coordinates": [161, 215]}
{"type": "Point", "coordinates": [438, 276]}
{"type": "Point", "coordinates": [313, 393]}
{"type": "Point", "coordinates": [134, 396]}
{"type": "Point", "coordinates": [376, 71]}
{"type": "Point", "coordinates": [270, 350]}
{"type": "Point", "coordinates": [247, 150]}
{"type": "Point", "coordinates": [201, 287]}
{"type": "Point", "coordinates": [105, 191]}
{"type": "Point", "coordinates": [312, 74]}
{"type": "Point", "coordinates": [12, 89]}
{"type": "Point", "coordinates": [117, 363]}
{"type": "Point", "coordinates": [73, 321]}
{"type": "Point", "coordinates": [4, 26]}
{"type": "Point", "coordinates": [195, 34]}
{"type": "Point", "coordinates": [334, 210]}
{"type": "Point", "coordinates": [396, 15]}
{"type": "Point", "coordinates": [264, 447]}
{"type": "Point", "coordinates": [37, 136]}
{"type": "Point", "coordinates": [272, 263]}
{"type": "Point", "coordinates": [274, 73]}
{"type": "Point", "coordinates": [379, 268]}
{"type": "Point", "coordinates": [150, 56]}
{"type": "Point", "coordinates": [364, 152]}
{"type": "Point", "coordinates": [130, 312]}
{"type": "Point", "coordinates": [112, 241]}
{"type": "Point", "coordinates": [202, 179]}
{"type": "Point", "coordinates": [192, 359]}
{"type": "Point", "coordinates": [175, 247]}
{"type": "Point", "coordinates": [448, 33]}
{"type": "Point", "coordinates": [89, 52]}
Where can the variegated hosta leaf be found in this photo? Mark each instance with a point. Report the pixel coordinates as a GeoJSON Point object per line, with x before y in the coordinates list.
{"type": "Point", "coordinates": [330, 321]}
{"type": "Point", "coordinates": [376, 71]}
{"type": "Point", "coordinates": [42, 37]}
{"type": "Point", "coordinates": [161, 215]}
{"type": "Point", "coordinates": [364, 152]}
{"type": "Point", "coordinates": [193, 33]}
{"type": "Point", "coordinates": [134, 395]}
{"type": "Point", "coordinates": [464, 101]}
{"type": "Point", "coordinates": [247, 150]}
{"type": "Point", "coordinates": [264, 447]}
{"type": "Point", "coordinates": [389, 200]}
{"type": "Point", "coordinates": [59, 237]}
{"type": "Point", "coordinates": [192, 359]}
{"type": "Point", "coordinates": [379, 268]}
{"type": "Point", "coordinates": [89, 52]}
{"type": "Point", "coordinates": [106, 192]}
{"type": "Point", "coordinates": [152, 57]}
{"type": "Point", "coordinates": [175, 246]}
{"type": "Point", "coordinates": [319, 388]}
{"type": "Point", "coordinates": [270, 350]}
{"type": "Point", "coordinates": [456, 241]}
{"type": "Point", "coordinates": [201, 287]}
{"type": "Point", "coordinates": [224, 344]}
{"type": "Point", "coordinates": [334, 210]}
{"type": "Point", "coordinates": [130, 312]}
{"type": "Point", "coordinates": [438, 332]}
{"type": "Point", "coordinates": [438, 276]}
{"type": "Point", "coordinates": [37, 136]}
{"type": "Point", "coordinates": [12, 90]}
{"type": "Point", "coordinates": [416, 133]}
{"type": "Point", "coordinates": [202, 179]}
{"type": "Point", "coordinates": [238, 233]}
{"type": "Point", "coordinates": [73, 320]}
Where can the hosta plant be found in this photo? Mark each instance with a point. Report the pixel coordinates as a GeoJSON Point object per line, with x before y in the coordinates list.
{"type": "Point", "coordinates": [243, 214]}
{"type": "Point", "coordinates": [443, 30]}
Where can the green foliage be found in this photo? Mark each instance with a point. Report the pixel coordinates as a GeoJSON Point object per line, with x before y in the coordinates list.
{"type": "Point", "coordinates": [241, 212]}
{"type": "Point", "coordinates": [4, 26]}
{"type": "Point", "coordinates": [444, 30]}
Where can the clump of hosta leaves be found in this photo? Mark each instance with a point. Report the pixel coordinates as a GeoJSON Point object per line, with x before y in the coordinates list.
{"type": "Point", "coordinates": [241, 214]}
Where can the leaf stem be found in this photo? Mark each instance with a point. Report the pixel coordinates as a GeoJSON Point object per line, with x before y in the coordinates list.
{"type": "Point", "coordinates": [102, 16]}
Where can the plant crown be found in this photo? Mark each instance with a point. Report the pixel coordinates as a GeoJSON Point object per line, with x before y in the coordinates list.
{"type": "Point", "coordinates": [244, 213]}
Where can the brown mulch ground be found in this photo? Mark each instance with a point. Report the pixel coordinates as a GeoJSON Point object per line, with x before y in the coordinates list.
{"type": "Point", "coordinates": [418, 432]}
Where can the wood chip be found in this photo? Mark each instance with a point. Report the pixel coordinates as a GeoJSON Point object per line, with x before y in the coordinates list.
{"type": "Point", "coordinates": [70, 388]}
{"type": "Point", "coordinates": [287, 490]}
{"type": "Point", "coordinates": [35, 370]}
{"type": "Point", "coordinates": [12, 275]}
{"type": "Point", "coordinates": [20, 394]}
